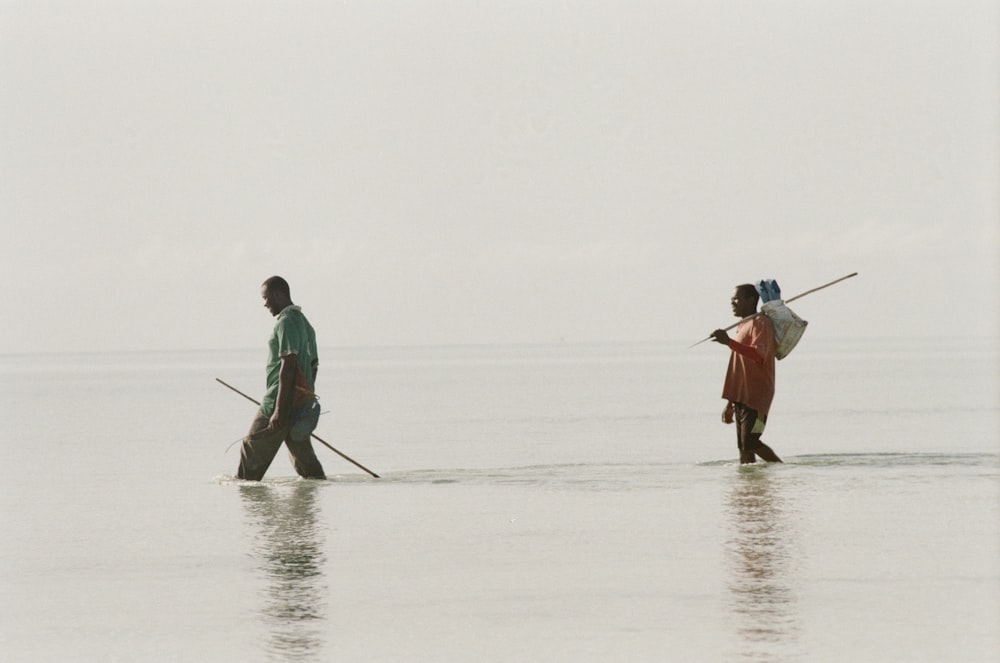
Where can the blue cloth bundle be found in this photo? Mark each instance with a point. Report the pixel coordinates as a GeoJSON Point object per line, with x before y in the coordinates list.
{"type": "Point", "coordinates": [768, 290]}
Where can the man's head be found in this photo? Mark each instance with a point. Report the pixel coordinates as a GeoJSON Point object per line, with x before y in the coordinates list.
{"type": "Point", "coordinates": [276, 294]}
{"type": "Point", "coordinates": [744, 300]}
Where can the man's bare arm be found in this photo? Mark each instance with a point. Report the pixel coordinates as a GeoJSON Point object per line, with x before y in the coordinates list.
{"type": "Point", "coordinates": [286, 391]}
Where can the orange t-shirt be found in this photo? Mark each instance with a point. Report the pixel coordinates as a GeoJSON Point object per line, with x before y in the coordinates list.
{"type": "Point", "coordinates": [747, 381]}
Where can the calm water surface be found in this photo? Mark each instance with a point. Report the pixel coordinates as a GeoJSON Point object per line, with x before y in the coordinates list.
{"type": "Point", "coordinates": [536, 503]}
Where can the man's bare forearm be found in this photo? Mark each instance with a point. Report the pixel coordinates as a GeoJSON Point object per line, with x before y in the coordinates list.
{"type": "Point", "coordinates": [286, 389]}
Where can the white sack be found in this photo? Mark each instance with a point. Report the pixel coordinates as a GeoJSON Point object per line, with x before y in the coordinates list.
{"type": "Point", "coordinates": [788, 327]}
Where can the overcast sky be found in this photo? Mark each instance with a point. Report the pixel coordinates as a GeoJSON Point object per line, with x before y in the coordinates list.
{"type": "Point", "coordinates": [428, 172]}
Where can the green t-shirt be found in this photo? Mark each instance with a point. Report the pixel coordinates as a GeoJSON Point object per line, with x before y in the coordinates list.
{"type": "Point", "coordinates": [292, 335]}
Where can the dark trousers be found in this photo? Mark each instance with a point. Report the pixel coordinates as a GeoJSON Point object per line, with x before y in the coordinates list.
{"type": "Point", "coordinates": [262, 443]}
{"type": "Point", "coordinates": [749, 427]}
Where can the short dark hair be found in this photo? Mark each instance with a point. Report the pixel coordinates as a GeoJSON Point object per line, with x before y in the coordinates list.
{"type": "Point", "coordinates": [749, 291]}
{"type": "Point", "coordinates": [279, 284]}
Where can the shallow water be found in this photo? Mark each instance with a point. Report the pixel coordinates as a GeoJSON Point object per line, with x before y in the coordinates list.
{"type": "Point", "coordinates": [536, 503]}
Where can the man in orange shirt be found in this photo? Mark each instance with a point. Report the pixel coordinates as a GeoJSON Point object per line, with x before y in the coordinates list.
{"type": "Point", "coordinates": [749, 386]}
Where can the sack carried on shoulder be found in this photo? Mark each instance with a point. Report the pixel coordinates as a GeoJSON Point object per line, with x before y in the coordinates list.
{"type": "Point", "coordinates": [788, 327]}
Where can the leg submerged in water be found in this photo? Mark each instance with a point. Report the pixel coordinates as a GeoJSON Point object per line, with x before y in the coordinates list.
{"type": "Point", "coordinates": [304, 459]}
{"type": "Point", "coordinates": [749, 428]}
{"type": "Point", "coordinates": [258, 449]}
{"type": "Point", "coordinates": [300, 448]}
{"type": "Point", "coordinates": [767, 453]}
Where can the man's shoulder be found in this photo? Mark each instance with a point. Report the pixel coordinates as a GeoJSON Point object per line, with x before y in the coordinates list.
{"type": "Point", "coordinates": [756, 329]}
{"type": "Point", "coordinates": [291, 315]}
{"type": "Point", "coordinates": [754, 324]}
{"type": "Point", "coordinates": [764, 330]}
{"type": "Point", "coordinates": [761, 321]}
{"type": "Point", "coordinates": [292, 321]}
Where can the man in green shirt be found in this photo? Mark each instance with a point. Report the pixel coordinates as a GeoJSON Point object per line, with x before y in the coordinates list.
{"type": "Point", "coordinates": [289, 412]}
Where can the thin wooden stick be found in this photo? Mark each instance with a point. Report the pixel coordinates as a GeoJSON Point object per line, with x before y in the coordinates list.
{"type": "Point", "coordinates": [809, 292]}
{"type": "Point", "coordinates": [792, 299]}
{"type": "Point", "coordinates": [315, 437]}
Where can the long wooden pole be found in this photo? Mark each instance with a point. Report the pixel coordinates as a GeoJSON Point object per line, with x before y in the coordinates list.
{"type": "Point", "coordinates": [315, 437]}
{"type": "Point", "coordinates": [787, 301]}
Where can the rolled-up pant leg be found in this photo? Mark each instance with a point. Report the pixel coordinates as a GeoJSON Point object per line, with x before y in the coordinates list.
{"type": "Point", "coordinates": [258, 449]}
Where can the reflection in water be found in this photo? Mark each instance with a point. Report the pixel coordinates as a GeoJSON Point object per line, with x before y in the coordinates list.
{"type": "Point", "coordinates": [761, 565]}
{"type": "Point", "coordinates": [288, 547]}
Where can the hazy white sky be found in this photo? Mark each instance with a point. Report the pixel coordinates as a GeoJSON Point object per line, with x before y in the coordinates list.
{"type": "Point", "coordinates": [472, 172]}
